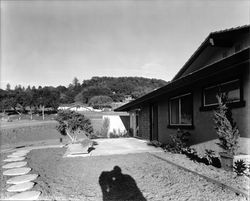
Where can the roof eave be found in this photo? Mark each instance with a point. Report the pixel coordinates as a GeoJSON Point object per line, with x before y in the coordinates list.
{"type": "Point", "coordinates": [244, 55]}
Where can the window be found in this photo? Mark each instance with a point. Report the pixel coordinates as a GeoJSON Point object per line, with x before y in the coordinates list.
{"type": "Point", "coordinates": [231, 88]}
{"type": "Point", "coordinates": [181, 110]}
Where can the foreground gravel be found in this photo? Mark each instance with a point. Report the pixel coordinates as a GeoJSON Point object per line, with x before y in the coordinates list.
{"type": "Point", "coordinates": [152, 179]}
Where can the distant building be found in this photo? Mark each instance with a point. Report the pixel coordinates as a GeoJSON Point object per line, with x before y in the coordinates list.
{"type": "Point", "coordinates": [78, 107]}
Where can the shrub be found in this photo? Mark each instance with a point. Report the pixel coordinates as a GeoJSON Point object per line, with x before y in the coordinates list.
{"type": "Point", "coordinates": [209, 158]}
{"type": "Point", "coordinates": [209, 155]}
{"type": "Point", "coordinates": [114, 135]}
{"type": "Point", "coordinates": [178, 141]}
{"type": "Point", "coordinates": [240, 167]}
{"type": "Point", "coordinates": [118, 134]}
{"type": "Point", "coordinates": [99, 102]}
{"type": "Point", "coordinates": [94, 136]}
{"type": "Point", "coordinates": [72, 124]}
{"type": "Point", "coordinates": [105, 127]}
{"type": "Point", "coordinates": [225, 127]}
{"type": "Point", "coordinates": [191, 153]}
{"type": "Point", "coordinates": [155, 143]}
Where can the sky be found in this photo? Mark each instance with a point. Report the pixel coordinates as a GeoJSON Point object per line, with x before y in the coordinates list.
{"type": "Point", "coordinates": [48, 43]}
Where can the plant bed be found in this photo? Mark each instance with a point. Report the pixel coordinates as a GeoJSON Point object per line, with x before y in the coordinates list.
{"type": "Point", "coordinates": [230, 178]}
{"type": "Point", "coordinates": [77, 178]}
{"type": "Point", "coordinates": [227, 131]}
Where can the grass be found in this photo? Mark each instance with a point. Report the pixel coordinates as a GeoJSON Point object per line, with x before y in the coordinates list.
{"type": "Point", "coordinates": [25, 132]}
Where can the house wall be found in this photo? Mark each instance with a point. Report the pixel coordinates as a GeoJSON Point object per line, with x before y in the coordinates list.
{"type": "Point", "coordinates": [132, 122]}
{"type": "Point", "coordinates": [144, 122]}
{"type": "Point", "coordinates": [203, 136]}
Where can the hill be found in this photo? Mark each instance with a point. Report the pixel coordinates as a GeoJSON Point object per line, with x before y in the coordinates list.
{"type": "Point", "coordinates": [118, 88]}
{"type": "Point", "coordinates": [96, 91]}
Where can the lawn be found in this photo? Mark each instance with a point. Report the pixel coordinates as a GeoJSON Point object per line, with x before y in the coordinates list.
{"type": "Point", "coordinates": [152, 179]}
{"type": "Point", "coordinates": [19, 132]}
{"type": "Point", "coordinates": [24, 132]}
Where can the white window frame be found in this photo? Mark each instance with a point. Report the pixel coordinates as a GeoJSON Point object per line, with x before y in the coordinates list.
{"type": "Point", "coordinates": [170, 108]}
{"type": "Point", "coordinates": [218, 85]}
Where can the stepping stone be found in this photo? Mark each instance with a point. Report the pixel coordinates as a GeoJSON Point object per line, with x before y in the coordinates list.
{"type": "Point", "coordinates": [15, 165]}
{"type": "Point", "coordinates": [28, 195]}
{"type": "Point", "coordinates": [17, 171]}
{"type": "Point", "coordinates": [21, 187]}
{"type": "Point", "coordinates": [22, 179]}
{"type": "Point", "coordinates": [21, 152]}
{"type": "Point", "coordinates": [14, 159]}
{"type": "Point", "coordinates": [15, 155]}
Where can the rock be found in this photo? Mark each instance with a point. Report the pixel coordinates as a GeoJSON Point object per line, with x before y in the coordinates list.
{"type": "Point", "coordinates": [28, 195]}
{"type": "Point", "coordinates": [15, 165]}
{"type": "Point", "coordinates": [14, 159]}
{"type": "Point", "coordinates": [15, 155]}
{"type": "Point", "coordinates": [22, 179]}
{"type": "Point", "coordinates": [21, 187]}
{"type": "Point", "coordinates": [17, 171]}
{"type": "Point", "coordinates": [21, 152]}
{"type": "Point", "coordinates": [78, 149]}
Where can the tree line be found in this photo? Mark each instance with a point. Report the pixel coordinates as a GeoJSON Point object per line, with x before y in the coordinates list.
{"type": "Point", "coordinates": [97, 90]}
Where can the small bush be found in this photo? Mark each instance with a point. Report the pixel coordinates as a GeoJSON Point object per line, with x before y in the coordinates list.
{"type": "Point", "coordinates": [105, 127]}
{"type": "Point", "coordinates": [93, 136]}
{"type": "Point", "coordinates": [209, 155]}
{"type": "Point", "coordinates": [118, 134]}
{"type": "Point", "coordinates": [240, 167]}
{"type": "Point", "coordinates": [178, 142]}
{"type": "Point", "coordinates": [155, 143]}
{"type": "Point", "coordinates": [191, 153]}
{"type": "Point", "coordinates": [113, 135]}
{"type": "Point", "coordinates": [209, 158]}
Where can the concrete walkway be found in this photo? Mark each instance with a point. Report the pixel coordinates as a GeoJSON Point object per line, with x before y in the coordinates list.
{"type": "Point", "coordinates": [121, 146]}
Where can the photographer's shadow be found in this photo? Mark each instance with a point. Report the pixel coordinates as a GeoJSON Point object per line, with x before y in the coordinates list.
{"type": "Point", "coordinates": [119, 187]}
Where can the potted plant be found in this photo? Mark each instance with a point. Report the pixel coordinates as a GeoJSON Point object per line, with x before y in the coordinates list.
{"type": "Point", "coordinates": [227, 132]}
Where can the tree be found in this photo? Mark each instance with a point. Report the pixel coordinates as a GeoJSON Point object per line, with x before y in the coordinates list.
{"type": "Point", "coordinates": [76, 82]}
{"type": "Point", "coordinates": [80, 98]}
{"type": "Point", "coordinates": [8, 88]}
{"type": "Point", "coordinates": [73, 124]}
{"type": "Point", "coordinates": [91, 91]}
{"type": "Point", "coordinates": [100, 101]}
{"type": "Point", "coordinates": [48, 97]}
{"type": "Point", "coordinates": [225, 127]}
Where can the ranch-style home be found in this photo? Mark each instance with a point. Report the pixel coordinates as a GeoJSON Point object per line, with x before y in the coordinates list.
{"type": "Point", "coordinates": [220, 64]}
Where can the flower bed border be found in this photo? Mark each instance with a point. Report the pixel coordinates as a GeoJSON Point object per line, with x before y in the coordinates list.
{"type": "Point", "coordinates": [238, 191]}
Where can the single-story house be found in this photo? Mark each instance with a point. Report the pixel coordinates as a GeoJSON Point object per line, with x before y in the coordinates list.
{"type": "Point", "coordinates": [220, 64]}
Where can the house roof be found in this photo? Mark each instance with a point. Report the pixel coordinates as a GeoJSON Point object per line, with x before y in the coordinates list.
{"type": "Point", "coordinates": [230, 62]}
{"type": "Point", "coordinates": [179, 81]}
{"type": "Point", "coordinates": [207, 42]}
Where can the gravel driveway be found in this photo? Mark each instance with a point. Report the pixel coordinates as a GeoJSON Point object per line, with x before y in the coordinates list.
{"type": "Point", "coordinates": [152, 179]}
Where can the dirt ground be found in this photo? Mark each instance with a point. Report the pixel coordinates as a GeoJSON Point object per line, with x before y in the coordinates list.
{"type": "Point", "coordinates": [117, 177]}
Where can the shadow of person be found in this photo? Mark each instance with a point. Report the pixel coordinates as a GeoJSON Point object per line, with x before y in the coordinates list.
{"type": "Point", "coordinates": [119, 187]}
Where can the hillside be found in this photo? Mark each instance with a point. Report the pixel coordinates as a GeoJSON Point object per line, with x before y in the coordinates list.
{"type": "Point", "coordinates": [118, 88]}
{"type": "Point", "coordinates": [95, 91]}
